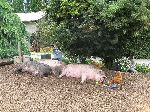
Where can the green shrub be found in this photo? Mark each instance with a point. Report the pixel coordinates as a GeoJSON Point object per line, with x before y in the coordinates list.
{"type": "Point", "coordinates": [109, 29]}
{"type": "Point", "coordinates": [142, 68]}
{"type": "Point", "coordinates": [12, 30]}
{"type": "Point", "coordinates": [69, 59]}
{"type": "Point", "coordinates": [122, 64]}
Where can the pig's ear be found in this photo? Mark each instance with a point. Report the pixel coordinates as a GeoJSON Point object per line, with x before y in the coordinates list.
{"type": "Point", "coordinates": [100, 71]}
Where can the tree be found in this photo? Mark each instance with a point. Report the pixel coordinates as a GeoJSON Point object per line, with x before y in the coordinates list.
{"type": "Point", "coordinates": [28, 5]}
{"type": "Point", "coordinates": [18, 6]}
{"type": "Point", "coordinates": [12, 30]}
{"type": "Point", "coordinates": [109, 29]}
{"type": "Point", "coordinates": [35, 5]}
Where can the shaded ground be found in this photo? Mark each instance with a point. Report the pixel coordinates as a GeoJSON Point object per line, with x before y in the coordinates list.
{"type": "Point", "coordinates": [24, 93]}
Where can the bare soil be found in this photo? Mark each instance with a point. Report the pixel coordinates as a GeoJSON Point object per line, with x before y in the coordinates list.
{"type": "Point", "coordinates": [25, 93]}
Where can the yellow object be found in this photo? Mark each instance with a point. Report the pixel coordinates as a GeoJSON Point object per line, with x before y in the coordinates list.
{"type": "Point", "coordinates": [97, 65]}
{"type": "Point", "coordinates": [148, 69]}
{"type": "Point", "coordinates": [46, 49]}
{"type": "Point", "coordinates": [97, 82]}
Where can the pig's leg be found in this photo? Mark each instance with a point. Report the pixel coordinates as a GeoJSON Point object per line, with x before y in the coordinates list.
{"type": "Point", "coordinates": [83, 78]}
{"type": "Point", "coordinates": [34, 73]}
{"type": "Point", "coordinates": [64, 72]}
{"type": "Point", "coordinates": [18, 70]}
{"type": "Point", "coordinates": [61, 75]}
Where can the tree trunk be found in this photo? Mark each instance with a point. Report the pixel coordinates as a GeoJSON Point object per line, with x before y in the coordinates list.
{"type": "Point", "coordinates": [19, 51]}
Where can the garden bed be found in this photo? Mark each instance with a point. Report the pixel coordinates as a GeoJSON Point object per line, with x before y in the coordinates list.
{"type": "Point", "coordinates": [24, 93]}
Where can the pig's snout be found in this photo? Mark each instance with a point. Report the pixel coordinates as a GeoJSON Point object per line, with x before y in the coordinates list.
{"type": "Point", "coordinates": [102, 77]}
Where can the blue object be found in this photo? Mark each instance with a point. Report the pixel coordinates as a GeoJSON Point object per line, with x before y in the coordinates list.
{"type": "Point", "coordinates": [113, 86]}
{"type": "Point", "coordinates": [57, 55]}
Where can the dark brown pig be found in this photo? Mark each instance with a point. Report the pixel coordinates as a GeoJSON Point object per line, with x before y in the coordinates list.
{"type": "Point", "coordinates": [34, 68]}
{"type": "Point", "coordinates": [55, 65]}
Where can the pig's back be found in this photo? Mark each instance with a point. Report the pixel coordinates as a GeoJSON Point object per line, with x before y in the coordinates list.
{"type": "Point", "coordinates": [77, 70]}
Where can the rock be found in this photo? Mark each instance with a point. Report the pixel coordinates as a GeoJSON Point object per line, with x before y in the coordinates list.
{"type": "Point", "coordinates": [132, 70]}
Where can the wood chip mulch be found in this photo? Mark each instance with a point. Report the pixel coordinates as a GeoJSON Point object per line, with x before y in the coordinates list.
{"type": "Point", "coordinates": [24, 93]}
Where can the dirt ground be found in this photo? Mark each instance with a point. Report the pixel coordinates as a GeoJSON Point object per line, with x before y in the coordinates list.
{"type": "Point", "coordinates": [24, 93]}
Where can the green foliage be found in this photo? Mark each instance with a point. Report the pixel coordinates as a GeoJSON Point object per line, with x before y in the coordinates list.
{"type": "Point", "coordinates": [28, 5]}
{"type": "Point", "coordinates": [124, 64]}
{"type": "Point", "coordinates": [109, 29]}
{"type": "Point", "coordinates": [35, 5]}
{"type": "Point", "coordinates": [142, 68]}
{"type": "Point", "coordinates": [18, 6]}
{"type": "Point", "coordinates": [51, 31]}
{"type": "Point", "coordinates": [4, 6]}
{"type": "Point", "coordinates": [69, 59]}
{"type": "Point", "coordinates": [12, 30]}
{"type": "Point", "coordinates": [88, 61]}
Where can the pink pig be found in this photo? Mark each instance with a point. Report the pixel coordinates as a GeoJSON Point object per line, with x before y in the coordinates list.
{"type": "Point", "coordinates": [84, 71]}
{"type": "Point", "coordinates": [51, 63]}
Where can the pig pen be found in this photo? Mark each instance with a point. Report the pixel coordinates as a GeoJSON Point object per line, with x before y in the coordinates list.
{"type": "Point", "coordinates": [25, 93]}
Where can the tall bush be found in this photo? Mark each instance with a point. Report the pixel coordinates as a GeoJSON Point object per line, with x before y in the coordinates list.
{"type": "Point", "coordinates": [12, 30]}
{"type": "Point", "coordinates": [109, 29]}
